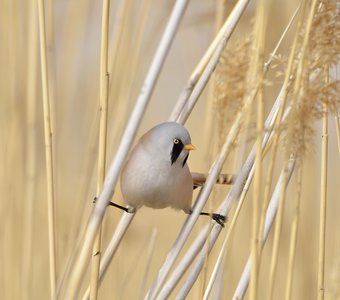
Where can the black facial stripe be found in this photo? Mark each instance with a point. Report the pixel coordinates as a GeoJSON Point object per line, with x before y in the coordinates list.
{"type": "Point", "coordinates": [176, 151]}
{"type": "Point", "coordinates": [185, 160]}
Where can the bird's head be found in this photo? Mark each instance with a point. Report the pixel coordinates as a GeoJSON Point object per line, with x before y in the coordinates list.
{"type": "Point", "coordinates": [171, 141]}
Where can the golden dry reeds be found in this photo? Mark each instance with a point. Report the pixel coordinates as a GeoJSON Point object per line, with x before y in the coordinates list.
{"type": "Point", "coordinates": [100, 85]}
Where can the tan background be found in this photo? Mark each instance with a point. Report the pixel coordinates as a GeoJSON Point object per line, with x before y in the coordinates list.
{"type": "Point", "coordinates": [74, 73]}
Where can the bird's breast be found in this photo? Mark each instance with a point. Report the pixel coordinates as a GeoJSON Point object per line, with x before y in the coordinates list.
{"type": "Point", "coordinates": [156, 183]}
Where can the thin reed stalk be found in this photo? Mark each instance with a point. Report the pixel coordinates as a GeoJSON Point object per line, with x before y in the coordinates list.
{"type": "Point", "coordinates": [48, 147]}
{"type": "Point", "coordinates": [31, 159]}
{"type": "Point", "coordinates": [112, 247]}
{"type": "Point", "coordinates": [275, 140]}
{"type": "Point", "coordinates": [88, 171]}
{"type": "Point", "coordinates": [119, 23]}
{"type": "Point", "coordinates": [258, 77]}
{"type": "Point", "coordinates": [184, 291]}
{"type": "Point", "coordinates": [220, 17]}
{"type": "Point", "coordinates": [289, 25]}
{"type": "Point", "coordinates": [203, 274]}
{"type": "Point", "coordinates": [50, 48]}
{"type": "Point", "coordinates": [296, 95]}
{"type": "Point", "coordinates": [222, 253]}
{"type": "Point", "coordinates": [282, 184]}
{"type": "Point", "coordinates": [277, 235]}
{"type": "Point", "coordinates": [104, 97]}
{"type": "Point", "coordinates": [198, 266]}
{"type": "Point", "coordinates": [293, 236]}
{"type": "Point", "coordinates": [323, 198]}
{"type": "Point", "coordinates": [197, 77]}
{"type": "Point", "coordinates": [123, 84]}
{"type": "Point", "coordinates": [337, 126]}
{"type": "Point", "coordinates": [186, 261]}
{"type": "Point", "coordinates": [126, 142]}
{"type": "Point", "coordinates": [130, 74]}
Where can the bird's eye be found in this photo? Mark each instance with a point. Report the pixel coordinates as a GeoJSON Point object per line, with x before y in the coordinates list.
{"type": "Point", "coordinates": [176, 141]}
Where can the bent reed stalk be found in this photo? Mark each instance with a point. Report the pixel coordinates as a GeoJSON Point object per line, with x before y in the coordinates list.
{"type": "Point", "coordinates": [126, 142]}
{"type": "Point", "coordinates": [244, 177]}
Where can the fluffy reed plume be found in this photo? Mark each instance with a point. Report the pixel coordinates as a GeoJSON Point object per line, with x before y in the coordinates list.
{"type": "Point", "coordinates": [307, 101]}
{"type": "Point", "coordinates": [229, 85]}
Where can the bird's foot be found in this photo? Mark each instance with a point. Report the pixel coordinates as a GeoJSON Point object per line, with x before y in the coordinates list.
{"type": "Point", "coordinates": [128, 209]}
{"type": "Point", "coordinates": [220, 219]}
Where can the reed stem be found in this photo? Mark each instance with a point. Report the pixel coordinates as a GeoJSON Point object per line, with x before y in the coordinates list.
{"type": "Point", "coordinates": [31, 157]}
{"type": "Point", "coordinates": [270, 217]}
{"type": "Point", "coordinates": [104, 99]}
{"type": "Point", "coordinates": [337, 127]}
{"type": "Point", "coordinates": [48, 147]}
{"type": "Point", "coordinates": [323, 198]}
{"type": "Point", "coordinates": [258, 78]}
{"type": "Point", "coordinates": [293, 236]}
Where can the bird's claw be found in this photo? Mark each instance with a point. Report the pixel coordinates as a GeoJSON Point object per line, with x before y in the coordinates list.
{"type": "Point", "coordinates": [220, 219]}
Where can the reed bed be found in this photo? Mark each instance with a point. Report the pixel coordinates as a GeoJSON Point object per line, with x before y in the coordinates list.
{"type": "Point", "coordinates": [257, 85]}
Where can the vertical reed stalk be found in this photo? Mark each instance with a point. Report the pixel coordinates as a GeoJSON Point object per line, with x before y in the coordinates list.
{"type": "Point", "coordinates": [31, 159]}
{"type": "Point", "coordinates": [293, 236]}
{"type": "Point", "coordinates": [220, 17]}
{"type": "Point", "coordinates": [104, 95]}
{"type": "Point", "coordinates": [323, 198]}
{"type": "Point", "coordinates": [337, 126]}
{"type": "Point", "coordinates": [258, 74]}
{"type": "Point", "coordinates": [48, 147]}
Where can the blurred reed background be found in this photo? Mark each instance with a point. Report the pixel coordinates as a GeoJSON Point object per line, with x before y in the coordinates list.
{"type": "Point", "coordinates": [73, 43]}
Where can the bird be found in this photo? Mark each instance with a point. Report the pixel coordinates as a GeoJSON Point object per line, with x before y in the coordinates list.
{"type": "Point", "coordinates": [157, 175]}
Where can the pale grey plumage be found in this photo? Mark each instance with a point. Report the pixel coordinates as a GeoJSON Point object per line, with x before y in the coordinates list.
{"type": "Point", "coordinates": [154, 176]}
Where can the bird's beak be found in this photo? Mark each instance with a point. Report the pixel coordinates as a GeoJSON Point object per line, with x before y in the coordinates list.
{"type": "Point", "coordinates": [189, 147]}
